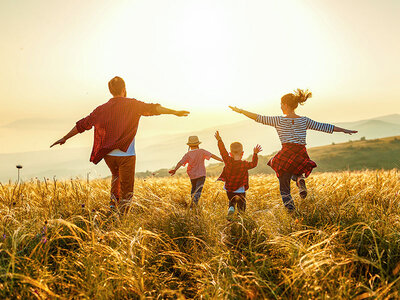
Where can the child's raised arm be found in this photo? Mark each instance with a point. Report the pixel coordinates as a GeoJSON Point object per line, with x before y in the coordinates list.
{"type": "Point", "coordinates": [221, 147]}
{"type": "Point", "coordinates": [254, 162]}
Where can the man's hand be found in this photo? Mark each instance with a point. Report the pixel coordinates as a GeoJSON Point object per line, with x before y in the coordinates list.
{"type": "Point", "coordinates": [347, 131]}
{"type": "Point", "coordinates": [217, 136]}
{"type": "Point", "coordinates": [257, 149]}
{"type": "Point", "coordinates": [167, 111]}
{"type": "Point", "coordinates": [181, 113]}
{"type": "Point", "coordinates": [235, 109]}
{"type": "Point", "coordinates": [74, 131]}
{"type": "Point", "coordinates": [172, 172]}
{"type": "Point", "coordinates": [59, 142]}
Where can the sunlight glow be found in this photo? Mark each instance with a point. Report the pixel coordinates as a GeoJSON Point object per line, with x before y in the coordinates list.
{"type": "Point", "coordinates": [203, 54]}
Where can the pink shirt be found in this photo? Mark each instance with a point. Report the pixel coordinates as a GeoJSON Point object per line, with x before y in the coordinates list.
{"type": "Point", "coordinates": [195, 160]}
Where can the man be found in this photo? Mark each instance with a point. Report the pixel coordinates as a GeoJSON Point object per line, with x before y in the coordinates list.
{"type": "Point", "coordinates": [115, 126]}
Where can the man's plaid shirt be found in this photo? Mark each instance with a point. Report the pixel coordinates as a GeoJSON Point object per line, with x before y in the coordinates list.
{"type": "Point", "coordinates": [115, 124]}
{"type": "Point", "coordinates": [235, 173]}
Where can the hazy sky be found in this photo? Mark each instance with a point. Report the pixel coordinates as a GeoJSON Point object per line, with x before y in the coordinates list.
{"type": "Point", "coordinates": [57, 57]}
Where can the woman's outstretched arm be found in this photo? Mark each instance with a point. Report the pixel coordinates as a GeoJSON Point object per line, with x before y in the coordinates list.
{"type": "Point", "coordinates": [266, 120]}
{"type": "Point", "coordinates": [347, 131]}
{"type": "Point", "coordinates": [328, 128]}
{"type": "Point", "coordinates": [248, 114]}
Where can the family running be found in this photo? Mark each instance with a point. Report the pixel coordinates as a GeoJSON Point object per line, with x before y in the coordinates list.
{"type": "Point", "coordinates": [116, 122]}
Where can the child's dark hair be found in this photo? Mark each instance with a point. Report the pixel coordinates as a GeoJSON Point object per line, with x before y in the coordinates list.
{"type": "Point", "coordinates": [299, 96]}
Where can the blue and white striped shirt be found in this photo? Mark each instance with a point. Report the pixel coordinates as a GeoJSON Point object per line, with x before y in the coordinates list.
{"type": "Point", "coordinates": [294, 130]}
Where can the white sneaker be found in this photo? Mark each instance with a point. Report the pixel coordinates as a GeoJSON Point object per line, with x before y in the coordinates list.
{"type": "Point", "coordinates": [231, 210]}
{"type": "Point", "coordinates": [301, 183]}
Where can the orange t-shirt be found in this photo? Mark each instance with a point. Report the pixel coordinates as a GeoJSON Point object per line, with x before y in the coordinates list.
{"type": "Point", "coordinates": [195, 160]}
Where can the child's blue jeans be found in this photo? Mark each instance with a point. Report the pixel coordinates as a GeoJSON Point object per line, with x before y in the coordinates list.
{"type": "Point", "coordinates": [238, 199]}
{"type": "Point", "coordinates": [197, 188]}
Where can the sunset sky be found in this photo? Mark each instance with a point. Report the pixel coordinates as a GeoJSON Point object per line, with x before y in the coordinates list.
{"type": "Point", "coordinates": [57, 57]}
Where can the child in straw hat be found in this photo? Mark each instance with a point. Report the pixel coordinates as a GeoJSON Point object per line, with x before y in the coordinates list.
{"type": "Point", "coordinates": [196, 169]}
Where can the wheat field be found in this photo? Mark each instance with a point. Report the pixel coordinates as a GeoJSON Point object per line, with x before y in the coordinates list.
{"type": "Point", "coordinates": [58, 240]}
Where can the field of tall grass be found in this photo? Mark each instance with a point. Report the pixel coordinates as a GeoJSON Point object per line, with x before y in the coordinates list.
{"type": "Point", "coordinates": [58, 240]}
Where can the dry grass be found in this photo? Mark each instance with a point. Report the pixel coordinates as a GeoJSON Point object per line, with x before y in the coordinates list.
{"type": "Point", "coordinates": [59, 241]}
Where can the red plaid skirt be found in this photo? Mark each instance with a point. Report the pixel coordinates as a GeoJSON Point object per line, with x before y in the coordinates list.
{"type": "Point", "coordinates": [293, 159]}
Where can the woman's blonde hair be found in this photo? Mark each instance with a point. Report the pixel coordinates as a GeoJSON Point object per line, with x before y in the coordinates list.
{"type": "Point", "coordinates": [299, 96]}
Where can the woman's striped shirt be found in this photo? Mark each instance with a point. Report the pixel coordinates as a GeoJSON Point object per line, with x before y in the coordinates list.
{"type": "Point", "coordinates": [294, 130]}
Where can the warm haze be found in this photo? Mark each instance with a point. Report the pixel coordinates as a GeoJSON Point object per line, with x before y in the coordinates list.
{"type": "Point", "coordinates": [155, 149]}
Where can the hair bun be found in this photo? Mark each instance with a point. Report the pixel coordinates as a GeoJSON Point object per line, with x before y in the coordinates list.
{"type": "Point", "coordinates": [301, 96]}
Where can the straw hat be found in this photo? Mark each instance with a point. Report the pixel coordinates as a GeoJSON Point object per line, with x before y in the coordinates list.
{"type": "Point", "coordinates": [193, 140]}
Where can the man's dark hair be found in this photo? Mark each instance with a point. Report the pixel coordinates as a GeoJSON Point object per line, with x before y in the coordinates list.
{"type": "Point", "coordinates": [116, 86]}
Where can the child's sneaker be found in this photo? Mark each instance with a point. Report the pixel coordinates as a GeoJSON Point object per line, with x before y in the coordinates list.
{"type": "Point", "coordinates": [301, 184]}
{"type": "Point", "coordinates": [231, 210]}
{"type": "Point", "coordinates": [113, 208]}
{"type": "Point", "coordinates": [113, 204]}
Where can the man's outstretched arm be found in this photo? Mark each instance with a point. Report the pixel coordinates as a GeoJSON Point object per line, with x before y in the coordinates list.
{"type": "Point", "coordinates": [74, 131]}
{"type": "Point", "coordinates": [166, 111]}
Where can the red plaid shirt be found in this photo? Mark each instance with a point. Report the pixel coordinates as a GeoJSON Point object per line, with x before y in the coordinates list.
{"type": "Point", "coordinates": [236, 172]}
{"type": "Point", "coordinates": [115, 124]}
{"type": "Point", "coordinates": [292, 158]}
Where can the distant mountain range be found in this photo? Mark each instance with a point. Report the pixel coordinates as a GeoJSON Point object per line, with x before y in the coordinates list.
{"type": "Point", "coordinates": [363, 154]}
{"type": "Point", "coordinates": [165, 151]}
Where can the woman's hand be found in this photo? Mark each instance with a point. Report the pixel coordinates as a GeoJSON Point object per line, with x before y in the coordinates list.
{"type": "Point", "coordinates": [347, 131]}
{"type": "Point", "coordinates": [235, 109]}
{"type": "Point", "coordinates": [248, 114]}
{"type": "Point", "coordinates": [257, 149]}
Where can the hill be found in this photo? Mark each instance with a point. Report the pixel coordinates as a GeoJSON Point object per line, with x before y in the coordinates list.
{"type": "Point", "coordinates": [353, 155]}
{"type": "Point", "coordinates": [165, 150]}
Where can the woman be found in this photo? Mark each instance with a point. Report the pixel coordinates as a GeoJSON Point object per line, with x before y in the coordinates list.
{"type": "Point", "coordinates": [292, 161]}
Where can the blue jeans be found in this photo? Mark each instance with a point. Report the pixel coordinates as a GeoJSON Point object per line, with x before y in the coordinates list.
{"type": "Point", "coordinates": [237, 198]}
{"type": "Point", "coordinates": [197, 188]}
{"type": "Point", "coordinates": [284, 188]}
